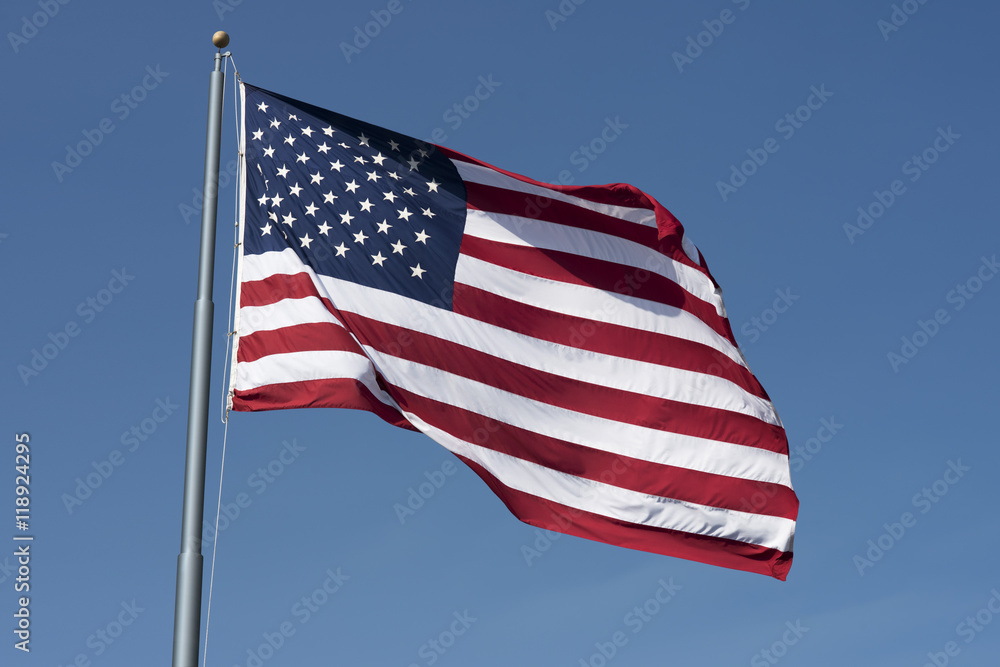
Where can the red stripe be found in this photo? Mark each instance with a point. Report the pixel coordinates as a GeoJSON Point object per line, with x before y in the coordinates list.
{"type": "Point", "coordinates": [275, 288]}
{"type": "Point", "coordinates": [626, 472]}
{"type": "Point", "coordinates": [320, 336]}
{"type": "Point", "coordinates": [668, 227]}
{"type": "Point", "coordinates": [556, 211]}
{"type": "Point", "coordinates": [718, 551]}
{"type": "Point", "coordinates": [593, 399]}
{"type": "Point", "coordinates": [610, 339]}
{"type": "Point", "coordinates": [333, 393]}
{"type": "Point", "coordinates": [604, 275]}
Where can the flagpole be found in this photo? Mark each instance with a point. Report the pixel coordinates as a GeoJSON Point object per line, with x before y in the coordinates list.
{"type": "Point", "coordinates": [187, 604]}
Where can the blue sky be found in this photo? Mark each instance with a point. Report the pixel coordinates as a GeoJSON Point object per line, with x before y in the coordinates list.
{"type": "Point", "coordinates": [882, 362]}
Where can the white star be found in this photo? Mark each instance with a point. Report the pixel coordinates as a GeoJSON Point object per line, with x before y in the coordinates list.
{"type": "Point", "coordinates": [283, 171]}
{"type": "Point", "coordinates": [418, 272]}
{"type": "Point", "coordinates": [292, 116]}
{"type": "Point", "coordinates": [343, 145]}
{"type": "Point", "coordinates": [329, 197]}
{"type": "Point", "coordinates": [341, 249]}
{"type": "Point", "coordinates": [303, 158]}
{"type": "Point", "coordinates": [393, 145]}
{"type": "Point", "coordinates": [397, 247]}
{"type": "Point", "coordinates": [427, 212]}
{"type": "Point", "coordinates": [288, 219]}
{"type": "Point", "coordinates": [324, 228]}
{"type": "Point", "coordinates": [422, 236]}
{"type": "Point", "coordinates": [275, 123]}
{"type": "Point", "coordinates": [363, 140]}
{"type": "Point", "coordinates": [372, 176]}
{"type": "Point", "coordinates": [272, 215]}
{"type": "Point", "coordinates": [352, 186]}
{"type": "Point", "coordinates": [366, 205]}
{"type": "Point", "coordinates": [308, 131]}
{"type": "Point", "coordinates": [269, 152]}
{"type": "Point", "coordinates": [258, 135]}
{"type": "Point", "coordinates": [305, 241]}
{"type": "Point", "coordinates": [276, 200]}
{"type": "Point", "coordinates": [323, 148]}
{"type": "Point", "coordinates": [378, 259]}
{"type": "Point", "coordinates": [393, 175]}
{"type": "Point", "coordinates": [423, 153]}
{"type": "Point", "coordinates": [405, 214]}
{"type": "Point", "coordinates": [266, 229]}
{"type": "Point", "coordinates": [315, 178]}
{"type": "Point", "coordinates": [262, 200]}
{"type": "Point", "coordinates": [328, 131]}
{"type": "Point", "coordinates": [410, 192]}
{"type": "Point", "coordinates": [360, 237]}
{"type": "Point", "coordinates": [290, 140]}
{"type": "Point", "coordinates": [295, 189]}
{"type": "Point", "coordinates": [432, 186]}
{"type": "Point", "coordinates": [360, 160]}
{"type": "Point", "coordinates": [311, 209]}
{"type": "Point", "coordinates": [389, 196]}
{"type": "Point", "coordinates": [379, 159]}
{"type": "Point", "coordinates": [262, 107]}
{"type": "Point", "coordinates": [336, 165]}
{"type": "Point", "coordinates": [345, 218]}
{"type": "Point", "coordinates": [414, 163]}
{"type": "Point", "coordinates": [384, 226]}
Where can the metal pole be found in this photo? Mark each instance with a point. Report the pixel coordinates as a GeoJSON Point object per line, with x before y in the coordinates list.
{"type": "Point", "coordinates": [187, 606]}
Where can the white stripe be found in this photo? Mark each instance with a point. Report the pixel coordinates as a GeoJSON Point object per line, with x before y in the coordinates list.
{"type": "Point", "coordinates": [570, 362]}
{"type": "Point", "coordinates": [284, 313]}
{"type": "Point", "coordinates": [307, 366]}
{"type": "Point", "coordinates": [618, 503]}
{"type": "Point", "coordinates": [719, 458]}
{"type": "Point", "coordinates": [484, 175]}
{"type": "Point", "coordinates": [586, 302]}
{"type": "Point", "coordinates": [550, 236]}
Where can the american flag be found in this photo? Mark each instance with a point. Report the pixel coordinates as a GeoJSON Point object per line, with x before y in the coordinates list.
{"type": "Point", "coordinates": [567, 343]}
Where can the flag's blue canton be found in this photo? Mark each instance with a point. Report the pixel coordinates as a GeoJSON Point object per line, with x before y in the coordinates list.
{"type": "Point", "coordinates": [355, 201]}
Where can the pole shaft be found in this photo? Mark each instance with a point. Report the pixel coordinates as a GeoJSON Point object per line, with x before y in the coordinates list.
{"type": "Point", "coordinates": [187, 606]}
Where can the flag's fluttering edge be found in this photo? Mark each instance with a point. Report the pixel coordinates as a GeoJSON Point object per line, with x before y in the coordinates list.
{"type": "Point", "coordinates": [567, 343]}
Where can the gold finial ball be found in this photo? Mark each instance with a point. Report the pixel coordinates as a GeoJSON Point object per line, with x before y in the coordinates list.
{"type": "Point", "coordinates": [221, 39]}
